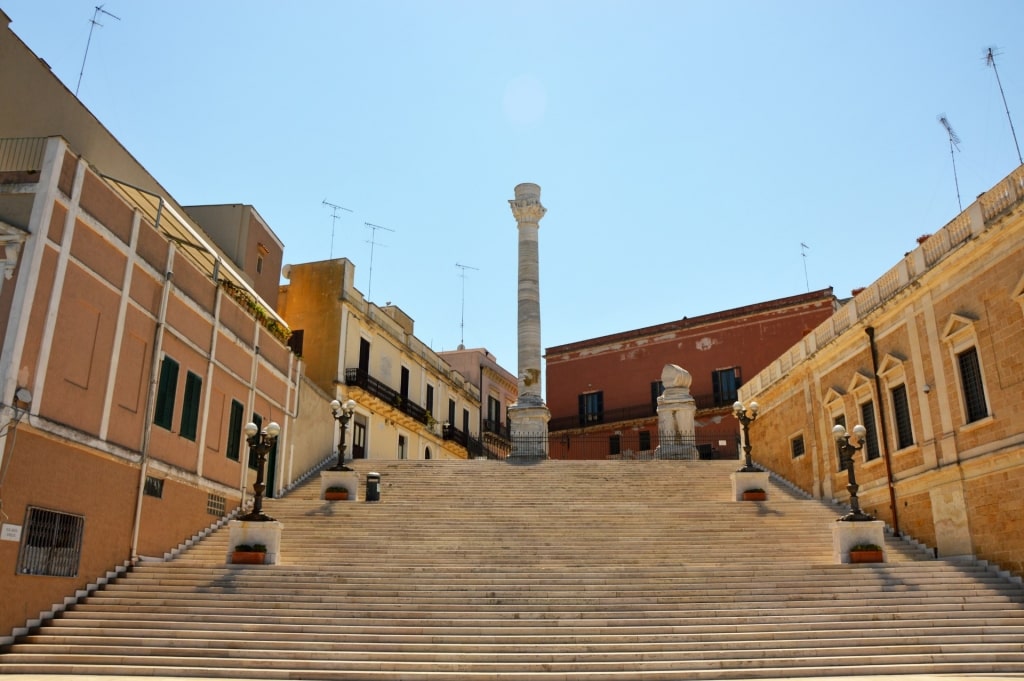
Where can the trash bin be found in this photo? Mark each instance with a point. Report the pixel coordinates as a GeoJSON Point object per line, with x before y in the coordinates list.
{"type": "Point", "coordinates": [373, 486]}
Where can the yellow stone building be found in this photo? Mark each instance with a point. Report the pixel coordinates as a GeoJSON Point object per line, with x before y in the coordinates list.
{"type": "Point", "coordinates": [930, 359]}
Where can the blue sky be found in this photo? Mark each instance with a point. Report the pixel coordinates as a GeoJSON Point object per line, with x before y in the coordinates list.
{"type": "Point", "coordinates": [685, 149]}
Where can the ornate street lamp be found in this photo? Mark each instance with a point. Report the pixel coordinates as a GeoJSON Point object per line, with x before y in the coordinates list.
{"type": "Point", "coordinates": [260, 444]}
{"type": "Point", "coordinates": [846, 451]}
{"type": "Point", "coordinates": [741, 413]}
{"type": "Point", "coordinates": [342, 414]}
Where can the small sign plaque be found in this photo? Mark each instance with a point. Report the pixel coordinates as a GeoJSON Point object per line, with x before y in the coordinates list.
{"type": "Point", "coordinates": [9, 532]}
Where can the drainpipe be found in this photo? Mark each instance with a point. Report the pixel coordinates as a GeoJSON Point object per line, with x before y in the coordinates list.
{"type": "Point", "coordinates": [870, 330]}
{"type": "Point", "coordinates": [154, 376]}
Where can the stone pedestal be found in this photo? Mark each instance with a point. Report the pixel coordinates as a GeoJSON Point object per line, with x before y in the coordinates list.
{"type": "Point", "coordinates": [252, 532]}
{"type": "Point", "coordinates": [347, 479]}
{"type": "Point", "coordinates": [743, 480]}
{"type": "Point", "coordinates": [847, 534]}
{"type": "Point", "coordinates": [529, 425]}
{"type": "Point", "coordinates": [676, 410]}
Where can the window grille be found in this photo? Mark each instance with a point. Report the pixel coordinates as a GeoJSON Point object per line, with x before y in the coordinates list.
{"type": "Point", "coordinates": [154, 487]}
{"type": "Point", "coordinates": [796, 446]}
{"type": "Point", "coordinates": [52, 543]}
{"type": "Point", "coordinates": [614, 444]}
{"type": "Point", "coordinates": [645, 440]}
{"type": "Point", "coordinates": [215, 504]}
{"type": "Point", "coordinates": [973, 387]}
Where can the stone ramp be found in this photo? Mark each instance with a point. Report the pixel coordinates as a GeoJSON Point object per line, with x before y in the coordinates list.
{"type": "Point", "coordinates": [559, 570]}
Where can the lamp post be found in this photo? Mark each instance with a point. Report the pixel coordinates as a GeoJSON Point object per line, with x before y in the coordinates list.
{"type": "Point", "coordinates": [342, 414]}
{"type": "Point", "coordinates": [741, 414]}
{"type": "Point", "coordinates": [846, 451]}
{"type": "Point", "coordinates": [260, 444]}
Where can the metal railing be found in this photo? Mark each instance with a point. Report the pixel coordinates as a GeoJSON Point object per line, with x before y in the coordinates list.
{"type": "Point", "coordinates": [380, 390]}
{"type": "Point", "coordinates": [627, 446]}
{"type": "Point", "coordinates": [639, 411]}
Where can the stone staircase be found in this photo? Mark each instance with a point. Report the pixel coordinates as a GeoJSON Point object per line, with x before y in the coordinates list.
{"type": "Point", "coordinates": [568, 570]}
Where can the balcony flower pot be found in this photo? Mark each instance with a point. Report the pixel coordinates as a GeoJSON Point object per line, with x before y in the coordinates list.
{"type": "Point", "coordinates": [756, 494]}
{"type": "Point", "coordinates": [866, 553]}
{"type": "Point", "coordinates": [246, 554]}
{"type": "Point", "coordinates": [336, 494]}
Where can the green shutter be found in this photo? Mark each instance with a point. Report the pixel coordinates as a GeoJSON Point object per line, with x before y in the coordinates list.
{"type": "Point", "coordinates": [164, 413]}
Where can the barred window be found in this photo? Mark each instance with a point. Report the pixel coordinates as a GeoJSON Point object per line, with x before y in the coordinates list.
{"type": "Point", "coordinates": [215, 504]}
{"type": "Point", "coordinates": [51, 544]}
{"type": "Point", "coordinates": [796, 446]}
{"type": "Point", "coordinates": [614, 444]}
{"type": "Point", "coordinates": [901, 414]}
{"type": "Point", "coordinates": [972, 385]}
{"type": "Point", "coordinates": [154, 487]}
{"type": "Point", "coordinates": [645, 440]}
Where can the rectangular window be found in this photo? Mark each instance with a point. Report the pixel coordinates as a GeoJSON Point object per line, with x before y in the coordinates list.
{"type": "Point", "coordinates": [657, 388]}
{"type": "Point", "coordinates": [154, 487]}
{"type": "Point", "coordinates": [51, 544]}
{"type": "Point", "coordinates": [724, 384]}
{"type": "Point", "coordinates": [867, 415]}
{"type": "Point", "coordinates": [402, 453]}
{"type": "Point", "coordinates": [190, 406]}
{"type": "Point", "coordinates": [364, 356]}
{"type": "Point", "coordinates": [591, 406]}
{"type": "Point", "coordinates": [451, 413]}
{"type": "Point", "coordinates": [163, 415]}
{"type": "Point", "coordinates": [614, 444]}
{"type": "Point", "coordinates": [358, 440]}
{"type": "Point", "coordinates": [404, 385]}
{"type": "Point", "coordinates": [295, 341]}
{"type": "Point", "coordinates": [796, 446]}
{"type": "Point", "coordinates": [901, 415]}
{"type": "Point", "coordinates": [465, 422]}
{"type": "Point", "coordinates": [215, 504]}
{"type": "Point", "coordinates": [430, 399]}
{"type": "Point", "coordinates": [493, 410]}
{"type": "Point", "coordinates": [973, 387]}
{"type": "Point", "coordinates": [235, 426]}
{"type": "Point", "coordinates": [645, 440]}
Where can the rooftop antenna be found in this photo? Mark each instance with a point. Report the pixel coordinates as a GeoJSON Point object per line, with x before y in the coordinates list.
{"type": "Point", "coordinates": [990, 59]}
{"type": "Point", "coordinates": [803, 254]}
{"type": "Point", "coordinates": [334, 220]}
{"type": "Point", "coordinates": [93, 24]}
{"type": "Point", "coordinates": [462, 322]}
{"type": "Point", "coordinates": [373, 242]}
{"type": "Point", "coordinates": [954, 143]}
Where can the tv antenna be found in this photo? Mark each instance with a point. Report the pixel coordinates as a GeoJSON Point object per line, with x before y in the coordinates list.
{"type": "Point", "coordinates": [462, 322]}
{"type": "Point", "coordinates": [954, 143]}
{"type": "Point", "coordinates": [334, 220]}
{"type": "Point", "coordinates": [373, 242]}
{"type": "Point", "coordinates": [803, 254]}
{"type": "Point", "coordinates": [990, 59]}
{"type": "Point", "coordinates": [93, 24]}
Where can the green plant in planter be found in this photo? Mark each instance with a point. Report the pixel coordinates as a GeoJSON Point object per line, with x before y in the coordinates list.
{"type": "Point", "coordinates": [866, 547]}
{"type": "Point", "coordinates": [251, 548]}
{"type": "Point", "coordinates": [336, 488]}
{"type": "Point", "coordinates": [756, 490]}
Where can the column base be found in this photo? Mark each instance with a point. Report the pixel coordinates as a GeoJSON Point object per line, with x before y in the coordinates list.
{"type": "Point", "coordinates": [529, 431]}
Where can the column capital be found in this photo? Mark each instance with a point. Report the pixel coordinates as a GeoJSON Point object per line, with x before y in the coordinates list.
{"type": "Point", "coordinates": [528, 210]}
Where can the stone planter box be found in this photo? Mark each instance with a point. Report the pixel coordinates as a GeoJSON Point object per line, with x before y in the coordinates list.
{"type": "Point", "coordinates": [336, 496]}
{"type": "Point", "coordinates": [248, 557]}
{"type": "Point", "coordinates": [863, 556]}
{"type": "Point", "coordinates": [755, 495]}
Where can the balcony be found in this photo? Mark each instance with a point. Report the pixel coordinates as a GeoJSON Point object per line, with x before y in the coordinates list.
{"type": "Point", "coordinates": [640, 411]}
{"type": "Point", "coordinates": [362, 379]}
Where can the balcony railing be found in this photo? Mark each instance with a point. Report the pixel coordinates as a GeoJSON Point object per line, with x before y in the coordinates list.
{"type": "Point", "coordinates": [705, 444]}
{"type": "Point", "coordinates": [496, 428]}
{"type": "Point", "coordinates": [380, 390]}
{"type": "Point", "coordinates": [640, 411]}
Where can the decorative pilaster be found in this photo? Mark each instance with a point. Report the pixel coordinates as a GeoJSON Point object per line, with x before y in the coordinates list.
{"type": "Point", "coordinates": [529, 416]}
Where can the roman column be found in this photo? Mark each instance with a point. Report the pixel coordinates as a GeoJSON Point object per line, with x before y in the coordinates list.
{"type": "Point", "coordinates": [529, 415]}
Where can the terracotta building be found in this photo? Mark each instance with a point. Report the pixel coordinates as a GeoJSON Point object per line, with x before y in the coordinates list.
{"type": "Point", "coordinates": [133, 349]}
{"type": "Point", "coordinates": [411, 404]}
{"type": "Point", "coordinates": [604, 390]}
{"type": "Point", "coordinates": [930, 360]}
